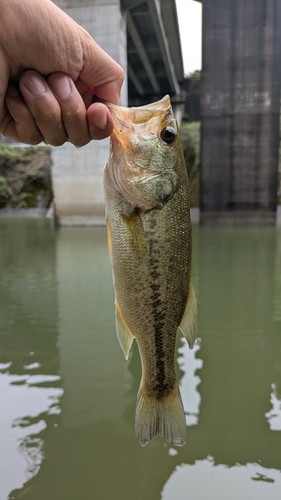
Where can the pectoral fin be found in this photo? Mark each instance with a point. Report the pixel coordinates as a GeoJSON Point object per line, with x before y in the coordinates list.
{"type": "Point", "coordinates": [189, 322]}
{"type": "Point", "coordinates": [124, 334]}
{"type": "Point", "coordinates": [109, 241]}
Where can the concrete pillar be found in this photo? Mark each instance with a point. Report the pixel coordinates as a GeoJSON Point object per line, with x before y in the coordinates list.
{"type": "Point", "coordinates": [240, 101]}
{"type": "Point", "coordinates": [77, 173]}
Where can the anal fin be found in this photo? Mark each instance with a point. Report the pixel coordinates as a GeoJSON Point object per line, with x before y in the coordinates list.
{"type": "Point", "coordinates": [124, 334]}
{"type": "Point", "coordinates": [189, 322]}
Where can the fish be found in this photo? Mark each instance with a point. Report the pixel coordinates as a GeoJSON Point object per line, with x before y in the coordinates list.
{"type": "Point", "coordinates": [149, 240]}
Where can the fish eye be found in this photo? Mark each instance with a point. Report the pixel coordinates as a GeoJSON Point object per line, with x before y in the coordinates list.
{"type": "Point", "coordinates": [168, 135]}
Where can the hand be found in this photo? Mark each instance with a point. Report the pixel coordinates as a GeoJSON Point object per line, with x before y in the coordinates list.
{"type": "Point", "coordinates": [50, 70]}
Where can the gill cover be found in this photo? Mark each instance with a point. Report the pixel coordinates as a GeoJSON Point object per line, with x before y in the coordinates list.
{"type": "Point", "coordinates": [143, 159]}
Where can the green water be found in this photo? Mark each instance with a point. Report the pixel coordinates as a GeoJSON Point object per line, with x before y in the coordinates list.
{"type": "Point", "coordinates": [67, 395]}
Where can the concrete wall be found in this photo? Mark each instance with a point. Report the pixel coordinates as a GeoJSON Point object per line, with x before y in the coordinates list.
{"type": "Point", "coordinates": [240, 101]}
{"type": "Point", "coordinates": [77, 173]}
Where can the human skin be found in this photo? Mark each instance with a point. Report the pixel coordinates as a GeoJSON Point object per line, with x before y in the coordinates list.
{"type": "Point", "coordinates": [50, 72]}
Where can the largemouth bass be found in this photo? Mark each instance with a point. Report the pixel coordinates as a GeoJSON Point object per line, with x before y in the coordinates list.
{"type": "Point", "coordinates": [149, 239]}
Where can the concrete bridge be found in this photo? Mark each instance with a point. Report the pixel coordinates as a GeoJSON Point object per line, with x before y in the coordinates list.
{"type": "Point", "coordinates": [240, 102]}
{"type": "Point", "coordinates": [240, 105]}
{"type": "Point", "coordinates": [143, 37]}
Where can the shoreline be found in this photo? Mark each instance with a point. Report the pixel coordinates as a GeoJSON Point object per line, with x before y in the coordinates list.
{"type": "Point", "coordinates": [31, 213]}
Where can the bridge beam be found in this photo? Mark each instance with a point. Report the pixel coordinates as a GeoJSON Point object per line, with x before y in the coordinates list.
{"type": "Point", "coordinates": [156, 16]}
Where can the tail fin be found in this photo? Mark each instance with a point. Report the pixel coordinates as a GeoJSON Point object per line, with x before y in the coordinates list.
{"type": "Point", "coordinates": [163, 416]}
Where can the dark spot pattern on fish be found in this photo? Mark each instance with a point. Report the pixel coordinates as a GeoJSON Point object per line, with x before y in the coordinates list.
{"type": "Point", "coordinates": [155, 275]}
{"type": "Point", "coordinates": [161, 388]}
{"type": "Point", "coordinates": [160, 385]}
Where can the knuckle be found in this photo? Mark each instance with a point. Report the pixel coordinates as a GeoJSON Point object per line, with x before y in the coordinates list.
{"type": "Point", "coordinates": [56, 141]}
{"type": "Point", "coordinates": [121, 76]}
{"type": "Point", "coordinates": [31, 140]}
{"type": "Point", "coordinates": [32, 137]}
{"type": "Point", "coordinates": [32, 143]}
{"type": "Point", "coordinates": [54, 135]}
{"type": "Point", "coordinates": [75, 114]}
{"type": "Point", "coordinates": [51, 115]}
{"type": "Point", "coordinates": [81, 141]}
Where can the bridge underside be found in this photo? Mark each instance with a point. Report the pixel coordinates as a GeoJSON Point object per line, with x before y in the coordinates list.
{"type": "Point", "coordinates": [154, 53]}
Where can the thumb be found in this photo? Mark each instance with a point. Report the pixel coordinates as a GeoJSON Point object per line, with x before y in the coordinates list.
{"type": "Point", "coordinates": [101, 71]}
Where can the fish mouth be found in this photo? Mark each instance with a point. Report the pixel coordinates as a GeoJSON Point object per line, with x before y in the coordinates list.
{"type": "Point", "coordinates": [140, 114]}
{"type": "Point", "coordinates": [128, 120]}
{"type": "Point", "coordinates": [120, 118]}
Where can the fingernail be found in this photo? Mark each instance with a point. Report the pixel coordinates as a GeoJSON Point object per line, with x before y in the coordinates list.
{"type": "Point", "coordinates": [35, 85]}
{"type": "Point", "coordinates": [100, 120]}
{"type": "Point", "coordinates": [61, 86]}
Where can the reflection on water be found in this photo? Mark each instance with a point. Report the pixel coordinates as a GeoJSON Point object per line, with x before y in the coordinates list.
{"type": "Point", "coordinates": [25, 400]}
{"type": "Point", "coordinates": [207, 480]}
{"type": "Point", "coordinates": [189, 364]}
{"type": "Point", "coordinates": [68, 395]}
{"type": "Point", "coordinates": [29, 383]}
{"type": "Point", "coordinates": [274, 415]}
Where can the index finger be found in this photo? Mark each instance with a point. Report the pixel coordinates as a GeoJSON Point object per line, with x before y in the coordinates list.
{"type": "Point", "coordinates": [101, 72]}
{"type": "Point", "coordinates": [4, 80]}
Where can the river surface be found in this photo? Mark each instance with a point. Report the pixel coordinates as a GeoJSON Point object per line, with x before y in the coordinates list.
{"type": "Point", "coordinates": [67, 395]}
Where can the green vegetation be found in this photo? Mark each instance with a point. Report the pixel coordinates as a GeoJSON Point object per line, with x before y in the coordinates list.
{"type": "Point", "coordinates": [25, 180]}
{"type": "Point", "coordinates": [190, 138]}
{"type": "Point", "coordinates": [10, 155]}
{"type": "Point", "coordinates": [196, 75]}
